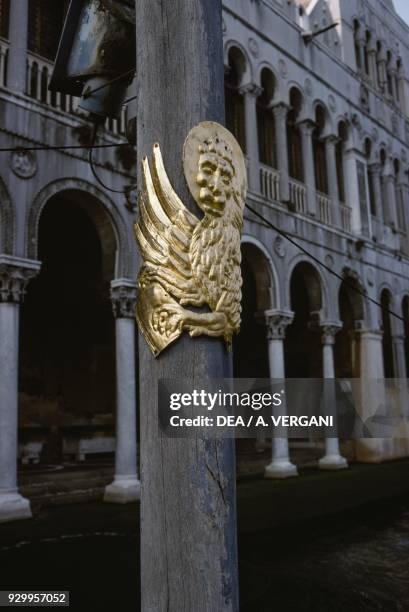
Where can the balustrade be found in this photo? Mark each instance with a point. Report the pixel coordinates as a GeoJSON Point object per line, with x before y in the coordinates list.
{"type": "Point", "coordinates": [298, 196]}
{"type": "Point", "coordinates": [324, 208]}
{"type": "Point", "coordinates": [39, 72]}
{"type": "Point", "coordinates": [346, 216]}
{"type": "Point", "coordinates": [269, 183]}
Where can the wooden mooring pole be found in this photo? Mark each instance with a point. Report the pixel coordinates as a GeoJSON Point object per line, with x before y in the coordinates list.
{"type": "Point", "coordinates": [188, 508]}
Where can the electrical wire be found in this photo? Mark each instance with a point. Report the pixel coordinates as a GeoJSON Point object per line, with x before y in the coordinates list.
{"type": "Point", "coordinates": [62, 147]}
{"type": "Point", "coordinates": [125, 102]}
{"type": "Point", "coordinates": [344, 279]}
{"type": "Point", "coordinates": [91, 164]}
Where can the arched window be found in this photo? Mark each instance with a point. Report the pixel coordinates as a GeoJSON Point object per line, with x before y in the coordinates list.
{"type": "Point", "coordinates": [4, 18]}
{"type": "Point", "coordinates": [368, 154]}
{"type": "Point", "coordinates": [399, 196]}
{"type": "Point", "coordinates": [379, 69]}
{"type": "Point", "coordinates": [357, 45]}
{"type": "Point", "coordinates": [34, 76]}
{"type": "Point", "coordinates": [387, 346]}
{"type": "Point", "coordinates": [382, 159]}
{"type": "Point", "coordinates": [44, 84]}
{"type": "Point", "coordinates": [367, 45]}
{"type": "Point", "coordinates": [347, 341]}
{"type": "Point", "coordinates": [302, 346]}
{"type": "Point", "coordinates": [389, 74]}
{"type": "Point", "coordinates": [234, 102]}
{"type": "Point", "coordinates": [398, 72]}
{"type": "Point", "coordinates": [295, 152]}
{"type": "Point", "coordinates": [320, 163]}
{"type": "Point", "coordinates": [339, 156]}
{"type": "Point", "coordinates": [265, 120]}
{"type": "Point", "coordinates": [45, 22]}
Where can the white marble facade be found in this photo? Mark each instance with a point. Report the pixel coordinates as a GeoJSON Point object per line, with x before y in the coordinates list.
{"type": "Point", "coordinates": [351, 80]}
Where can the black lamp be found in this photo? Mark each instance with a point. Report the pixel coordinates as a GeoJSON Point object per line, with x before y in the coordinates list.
{"type": "Point", "coordinates": [96, 55]}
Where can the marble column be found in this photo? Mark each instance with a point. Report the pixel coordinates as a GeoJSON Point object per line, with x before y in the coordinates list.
{"type": "Point", "coordinates": [276, 322]}
{"type": "Point", "coordinates": [307, 127]}
{"type": "Point", "coordinates": [353, 186]}
{"type": "Point", "coordinates": [403, 191]}
{"type": "Point", "coordinates": [373, 69]}
{"type": "Point", "coordinates": [399, 365]}
{"type": "Point", "coordinates": [361, 42]}
{"type": "Point", "coordinates": [280, 112]}
{"type": "Point", "coordinates": [390, 195]}
{"type": "Point", "coordinates": [126, 485]}
{"type": "Point", "coordinates": [372, 392]}
{"type": "Point", "coordinates": [382, 69]}
{"type": "Point", "coordinates": [394, 78]}
{"type": "Point", "coordinates": [399, 359]}
{"type": "Point", "coordinates": [375, 171]}
{"type": "Point", "coordinates": [332, 459]}
{"type": "Point", "coordinates": [18, 37]}
{"type": "Point", "coordinates": [371, 354]}
{"type": "Point", "coordinates": [403, 89]}
{"type": "Point", "coordinates": [251, 92]}
{"type": "Point", "coordinates": [13, 281]}
{"type": "Point", "coordinates": [332, 176]}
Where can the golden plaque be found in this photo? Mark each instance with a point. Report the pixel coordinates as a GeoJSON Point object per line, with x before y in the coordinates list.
{"type": "Point", "coordinates": [186, 260]}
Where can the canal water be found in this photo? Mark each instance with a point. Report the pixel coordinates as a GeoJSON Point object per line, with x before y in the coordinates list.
{"type": "Point", "coordinates": [355, 562]}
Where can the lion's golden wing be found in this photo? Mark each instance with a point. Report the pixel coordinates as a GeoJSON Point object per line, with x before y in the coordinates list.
{"type": "Point", "coordinates": [164, 232]}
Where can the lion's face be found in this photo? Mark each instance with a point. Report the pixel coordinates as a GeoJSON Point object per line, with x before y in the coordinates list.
{"type": "Point", "coordinates": [215, 177]}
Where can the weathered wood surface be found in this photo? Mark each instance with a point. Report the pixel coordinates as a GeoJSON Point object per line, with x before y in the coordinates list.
{"type": "Point", "coordinates": [188, 513]}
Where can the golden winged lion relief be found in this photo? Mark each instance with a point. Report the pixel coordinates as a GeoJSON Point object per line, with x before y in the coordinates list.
{"type": "Point", "coordinates": [189, 261]}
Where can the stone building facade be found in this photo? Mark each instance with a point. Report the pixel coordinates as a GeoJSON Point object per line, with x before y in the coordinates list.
{"type": "Point", "coordinates": [324, 123]}
{"type": "Point", "coordinates": [67, 247]}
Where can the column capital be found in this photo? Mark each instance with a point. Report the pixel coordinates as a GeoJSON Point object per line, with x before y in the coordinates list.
{"type": "Point", "coordinates": [307, 126]}
{"type": "Point", "coordinates": [327, 329]}
{"type": "Point", "coordinates": [276, 322]}
{"type": "Point", "coordinates": [382, 50]}
{"type": "Point", "coordinates": [388, 175]}
{"type": "Point", "coordinates": [15, 273]}
{"type": "Point", "coordinates": [123, 298]}
{"type": "Point", "coordinates": [250, 89]}
{"type": "Point", "coordinates": [360, 39]}
{"type": "Point", "coordinates": [331, 139]}
{"type": "Point", "coordinates": [375, 168]}
{"type": "Point", "coordinates": [280, 110]}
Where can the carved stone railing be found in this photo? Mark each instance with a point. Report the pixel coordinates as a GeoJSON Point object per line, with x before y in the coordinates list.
{"type": "Point", "coordinates": [403, 242]}
{"type": "Point", "coordinates": [39, 72]}
{"type": "Point", "coordinates": [269, 183]}
{"type": "Point", "coordinates": [377, 228]}
{"type": "Point", "coordinates": [345, 217]}
{"type": "Point", "coordinates": [298, 196]}
{"type": "Point", "coordinates": [324, 208]}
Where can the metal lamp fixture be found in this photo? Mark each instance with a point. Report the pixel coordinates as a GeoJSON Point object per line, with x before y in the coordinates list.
{"type": "Point", "coordinates": [96, 55]}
